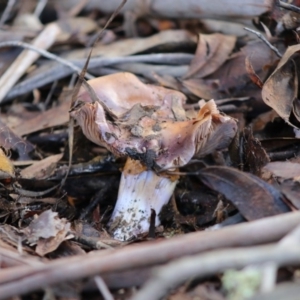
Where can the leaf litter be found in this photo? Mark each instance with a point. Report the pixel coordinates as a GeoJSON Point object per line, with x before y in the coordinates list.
{"type": "Point", "coordinates": [183, 141]}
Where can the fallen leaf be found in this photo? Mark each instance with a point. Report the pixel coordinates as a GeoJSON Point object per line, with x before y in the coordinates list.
{"type": "Point", "coordinates": [291, 190]}
{"type": "Point", "coordinates": [284, 169]}
{"type": "Point", "coordinates": [9, 140]}
{"type": "Point", "coordinates": [253, 76]}
{"type": "Point", "coordinates": [255, 155]}
{"type": "Point", "coordinates": [47, 231]}
{"type": "Point", "coordinates": [260, 122]}
{"type": "Point", "coordinates": [253, 197]}
{"type": "Point", "coordinates": [212, 51]}
{"type": "Point", "coordinates": [53, 117]}
{"type": "Point", "coordinates": [42, 169]}
{"type": "Point", "coordinates": [233, 75]}
{"type": "Point", "coordinates": [6, 166]}
{"type": "Point", "coordinates": [281, 88]}
{"type": "Point", "coordinates": [204, 89]}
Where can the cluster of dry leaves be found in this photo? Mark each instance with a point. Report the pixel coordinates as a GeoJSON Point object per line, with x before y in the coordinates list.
{"type": "Point", "coordinates": [230, 165]}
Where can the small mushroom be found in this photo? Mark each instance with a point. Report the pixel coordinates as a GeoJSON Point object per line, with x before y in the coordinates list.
{"type": "Point", "coordinates": [149, 125]}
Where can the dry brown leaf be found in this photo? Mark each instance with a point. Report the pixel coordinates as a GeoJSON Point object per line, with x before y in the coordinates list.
{"type": "Point", "coordinates": [260, 122]}
{"type": "Point", "coordinates": [212, 51]}
{"type": "Point", "coordinates": [41, 169]}
{"type": "Point", "coordinates": [204, 89]}
{"type": "Point", "coordinates": [281, 88]}
{"type": "Point", "coordinates": [233, 75]}
{"type": "Point", "coordinates": [53, 117]}
{"type": "Point", "coordinates": [255, 156]}
{"type": "Point", "coordinates": [47, 231]}
{"type": "Point", "coordinates": [6, 166]}
{"type": "Point", "coordinates": [253, 197]}
{"type": "Point", "coordinates": [9, 140]}
{"type": "Point", "coordinates": [253, 76]}
{"type": "Point", "coordinates": [284, 169]}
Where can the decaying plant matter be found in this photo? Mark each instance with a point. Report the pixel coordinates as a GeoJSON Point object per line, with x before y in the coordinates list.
{"type": "Point", "coordinates": [148, 124]}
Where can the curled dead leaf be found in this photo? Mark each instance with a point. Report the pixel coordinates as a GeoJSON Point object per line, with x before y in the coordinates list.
{"type": "Point", "coordinates": [253, 197]}
{"type": "Point", "coordinates": [281, 88]}
{"type": "Point", "coordinates": [212, 51]}
{"type": "Point", "coordinates": [47, 231]}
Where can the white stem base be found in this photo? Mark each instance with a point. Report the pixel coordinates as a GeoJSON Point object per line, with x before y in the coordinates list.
{"type": "Point", "coordinates": [138, 194]}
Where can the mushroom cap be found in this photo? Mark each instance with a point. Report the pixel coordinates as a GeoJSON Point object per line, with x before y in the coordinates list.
{"type": "Point", "coordinates": [121, 91]}
{"type": "Point", "coordinates": [149, 123]}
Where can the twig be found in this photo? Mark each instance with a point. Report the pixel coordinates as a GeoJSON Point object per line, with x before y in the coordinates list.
{"type": "Point", "coordinates": [213, 262]}
{"type": "Point", "coordinates": [46, 54]}
{"type": "Point", "coordinates": [289, 7]}
{"type": "Point", "coordinates": [189, 9]}
{"type": "Point", "coordinates": [81, 81]}
{"type": "Point", "coordinates": [5, 14]}
{"type": "Point", "coordinates": [101, 195]}
{"type": "Point", "coordinates": [55, 72]}
{"type": "Point", "coordinates": [265, 41]}
{"type": "Point", "coordinates": [40, 7]}
{"type": "Point", "coordinates": [24, 279]}
{"type": "Point", "coordinates": [293, 238]}
{"type": "Point", "coordinates": [75, 10]}
{"type": "Point", "coordinates": [12, 259]}
{"type": "Point", "coordinates": [103, 288]}
{"type": "Point", "coordinates": [20, 65]}
{"type": "Point", "coordinates": [269, 275]}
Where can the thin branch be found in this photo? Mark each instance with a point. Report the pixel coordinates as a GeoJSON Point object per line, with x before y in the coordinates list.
{"type": "Point", "coordinates": [40, 7]}
{"type": "Point", "coordinates": [13, 258]}
{"type": "Point", "coordinates": [103, 288]}
{"type": "Point", "coordinates": [8, 8]}
{"type": "Point", "coordinates": [289, 7]}
{"type": "Point", "coordinates": [77, 8]}
{"type": "Point", "coordinates": [24, 279]}
{"type": "Point", "coordinates": [293, 238]}
{"type": "Point", "coordinates": [55, 72]}
{"type": "Point", "coordinates": [210, 263]}
{"type": "Point", "coordinates": [269, 275]}
{"type": "Point", "coordinates": [265, 41]}
{"type": "Point", "coordinates": [46, 54]}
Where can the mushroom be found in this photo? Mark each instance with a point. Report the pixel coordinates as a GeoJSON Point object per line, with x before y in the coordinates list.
{"type": "Point", "coordinates": [149, 125]}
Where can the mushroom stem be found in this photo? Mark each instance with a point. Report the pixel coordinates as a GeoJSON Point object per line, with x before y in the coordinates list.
{"type": "Point", "coordinates": [140, 191]}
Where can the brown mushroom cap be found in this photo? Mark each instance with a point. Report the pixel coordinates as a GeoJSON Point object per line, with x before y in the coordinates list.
{"type": "Point", "coordinates": [121, 91]}
{"type": "Point", "coordinates": [149, 123]}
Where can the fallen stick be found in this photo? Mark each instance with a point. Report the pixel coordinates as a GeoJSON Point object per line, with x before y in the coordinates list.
{"type": "Point", "coordinates": [55, 71]}
{"type": "Point", "coordinates": [45, 40]}
{"type": "Point", "coordinates": [23, 279]}
{"type": "Point", "coordinates": [208, 264]}
{"type": "Point", "coordinates": [183, 8]}
{"type": "Point", "coordinates": [286, 252]}
{"type": "Point", "coordinates": [281, 254]}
